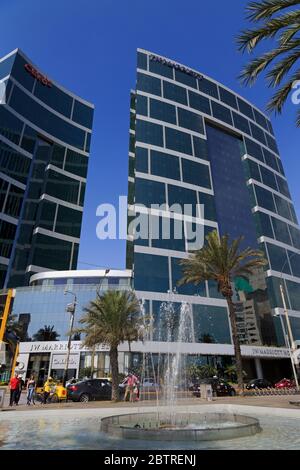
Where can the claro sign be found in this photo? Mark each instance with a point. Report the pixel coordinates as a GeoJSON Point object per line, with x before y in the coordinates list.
{"type": "Point", "coordinates": [36, 74]}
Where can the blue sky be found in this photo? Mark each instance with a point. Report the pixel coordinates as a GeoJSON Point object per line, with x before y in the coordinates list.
{"type": "Point", "coordinates": [90, 48]}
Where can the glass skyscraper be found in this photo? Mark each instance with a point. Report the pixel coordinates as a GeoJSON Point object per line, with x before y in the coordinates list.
{"type": "Point", "coordinates": [45, 134]}
{"type": "Point", "coordinates": [194, 141]}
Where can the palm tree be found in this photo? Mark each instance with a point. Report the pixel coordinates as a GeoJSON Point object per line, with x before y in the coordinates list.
{"type": "Point", "coordinates": [278, 20]}
{"type": "Point", "coordinates": [222, 262]}
{"type": "Point", "coordinates": [46, 334]}
{"type": "Point", "coordinates": [111, 319]}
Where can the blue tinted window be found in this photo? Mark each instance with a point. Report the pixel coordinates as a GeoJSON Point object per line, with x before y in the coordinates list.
{"type": "Point", "coordinates": [155, 278]}
{"type": "Point", "coordinates": [149, 133]}
{"type": "Point", "coordinates": [263, 225]}
{"type": "Point", "coordinates": [186, 289]}
{"type": "Point", "coordinates": [10, 126]}
{"type": "Point", "coordinates": [295, 263]}
{"type": "Point", "coordinates": [271, 160]}
{"type": "Point", "coordinates": [149, 192]}
{"type": "Point", "coordinates": [265, 198]}
{"type": "Point", "coordinates": [62, 187]}
{"type": "Point", "coordinates": [165, 165]}
{"type": "Point", "coordinates": [167, 233]}
{"type": "Point", "coordinates": [160, 69]}
{"type": "Point", "coordinates": [260, 119]}
{"type": "Point", "coordinates": [228, 97]}
{"type": "Point", "coordinates": [175, 93]}
{"type": "Point", "coordinates": [283, 186]}
{"type": "Point", "coordinates": [209, 206]}
{"type": "Point", "coordinates": [221, 112]}
{"type": "Point", "coordinates": [268, 178]}
{"type": "Point", "coordinates": [195, 173]}
{"type": "Point", "coordinates": [281, 231]}
{"type": "Point", "coordinates": [190, 120]}
{"type": "Point", "coordinates": [294, 294]}
{"type": "Point", "coordinates": [148, 84]}
{"type": "Point", "coordinates": [254, 149]}
{"type": "Point", "coordinates": [252, 170]}
{"type": "Point", "coordinates": [241, 123]}
{"type": "Point", "coordinates": [83, 114]}
{"type": "Point", "coordinates": [141, 105]}
{"type": "Point", "coordinates": [208, 87]}
{"type": "Point", "coordinates": [200, 147]}
{"type": "Point", "coordinates": [185, 78]}
{"type": "Point", "coordinates": [141, 159]}
{"type": "Point", "coordinates": [13, 163]}
{"type": "Point", "coordinates": [21, 74]}
{"type": "Point", "coordinates": [56, 99]}
{"type": "Point", "coordinates": [245, 108]}
{"type": "Point", "coordinates": [179, 141]}
{"type": "Point", "coordinates": [142, 61]}
{"type": "Point", "coordinates": [258, 133]}
{"type": "Point", "coordinates": [199, 102]}
{"type": "Point", "coordinates": [6, 65]}
{"type": "Point", "coordinates": [295, 234]}
{"type": "Point", "coordinates": [212, 322]}
{"type": "Point", "coordinates": [282, 207]}
{"type": "Point", "coordinates": [182, 196]}
{"type": "Point", "coordinates": [271, 143]}
{"type": "Point", "coordinates": [47, 121]}
{"type": "Point", "coordinates": [278, 259]}
{"type": "Point", "coordinates": [162, 111]}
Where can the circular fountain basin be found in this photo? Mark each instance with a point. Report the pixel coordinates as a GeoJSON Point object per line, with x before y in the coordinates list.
{"type": "Point", "coordinates": [183, 427]}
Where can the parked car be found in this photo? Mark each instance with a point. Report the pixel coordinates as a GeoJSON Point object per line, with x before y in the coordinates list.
{"type": "Point", "coordinates": [285, 383]}
{"type": "Point", "coordinates": [149, 383]}
{"type": "Point", "coordinates": [91, 389]}
{"type": "Point", "coordinates": [258, 384]}
{"type": "Point", "coordinates": [220, 387]}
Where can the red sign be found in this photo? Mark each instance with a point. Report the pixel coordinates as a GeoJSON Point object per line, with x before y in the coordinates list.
{"type": "Point", "coordinates": [41, 78]}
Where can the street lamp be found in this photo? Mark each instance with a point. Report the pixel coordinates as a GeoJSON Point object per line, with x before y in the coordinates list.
{"type": "Point", "coordinates": [71, 309]}
{"type": "Point", "coordinates": [288, 336]}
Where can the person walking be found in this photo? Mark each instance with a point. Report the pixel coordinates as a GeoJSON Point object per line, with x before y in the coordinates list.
{"type": "Point", "coordinates": [130, 382]}
{"type": "Point", "coordinates": [47, 389]}
{"type": "Point", "coordinates": [31, 384]}
{"type": "Point", "coordinates": [19, 392]}
{"type": "Point", "coordinates": [14, 385]}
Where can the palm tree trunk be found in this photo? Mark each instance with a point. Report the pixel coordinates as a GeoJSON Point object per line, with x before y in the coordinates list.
{"type": "Point", "coordinates": [236, 344]}
{"type": "Point", "coordinates": [113, 355]}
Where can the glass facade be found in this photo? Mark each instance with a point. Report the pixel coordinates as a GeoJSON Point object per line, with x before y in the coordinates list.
{"type": "Point", "coordinates": [45, 136]}
{"type": "Point", "coordinates": [195, 142]}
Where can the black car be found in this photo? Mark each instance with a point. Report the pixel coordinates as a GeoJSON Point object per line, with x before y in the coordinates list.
{"type": "Point", "coordinates": [258, 384]}
{"type": "Point", "coordinates": [220, 387]}
{"type": "Point", "coordinates": [91, 389]}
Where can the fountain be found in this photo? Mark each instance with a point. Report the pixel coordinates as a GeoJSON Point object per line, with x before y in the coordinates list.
{"type": "Point", "coordinates": [175, 324]}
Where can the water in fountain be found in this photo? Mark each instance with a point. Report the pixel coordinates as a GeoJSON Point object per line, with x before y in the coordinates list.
{"type": "Point", "coordinates": [175, 326]}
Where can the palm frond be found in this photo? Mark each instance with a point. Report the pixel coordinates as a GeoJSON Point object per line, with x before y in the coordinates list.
{"type": "Point", "coordinates": [256, 66]}
{"type": "Point", "coordinates": [279, 98]}
{"type": "Point", "coordinates": [282, 68]}
{"type": "Point", "coordinates": [257, 11]}
{"type": "Point", "coordinates": [248, 39]}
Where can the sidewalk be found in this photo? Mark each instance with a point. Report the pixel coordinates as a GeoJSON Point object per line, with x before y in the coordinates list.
{"type": "Point", "coordinates": [264, 401]}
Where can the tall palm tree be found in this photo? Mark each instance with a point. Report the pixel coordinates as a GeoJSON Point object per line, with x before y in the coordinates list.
{"type": "Point", "coordinates": [46, 334]}
{"type": "Point", "coordinates": [111, 319]}
{"type": "Point", "coordinates": [222, 262]}
{"type": "Point", "coordinates": [278, 20]}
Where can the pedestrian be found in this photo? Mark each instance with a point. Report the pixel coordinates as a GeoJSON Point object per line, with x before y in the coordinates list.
{"type": "Point", "coordinates": [19, 392]}
{"type": "Point", "coordinates": [31, 384]}
{"type": "Point", "coordinates": [14, 385]}
{"type": "Point", "coordinates": [47, 389]}
{"type": "Point", "coordinates": [136, 390]}
{"type": "Point", "coordinates": [130, 382]}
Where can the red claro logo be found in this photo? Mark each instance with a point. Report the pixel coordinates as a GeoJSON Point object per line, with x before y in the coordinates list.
{"type": "Point", "coordinates": [41, 78]}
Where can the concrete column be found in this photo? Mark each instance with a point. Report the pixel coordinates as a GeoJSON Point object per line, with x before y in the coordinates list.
{"type": "Point", "coordinates": [258, 368]}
